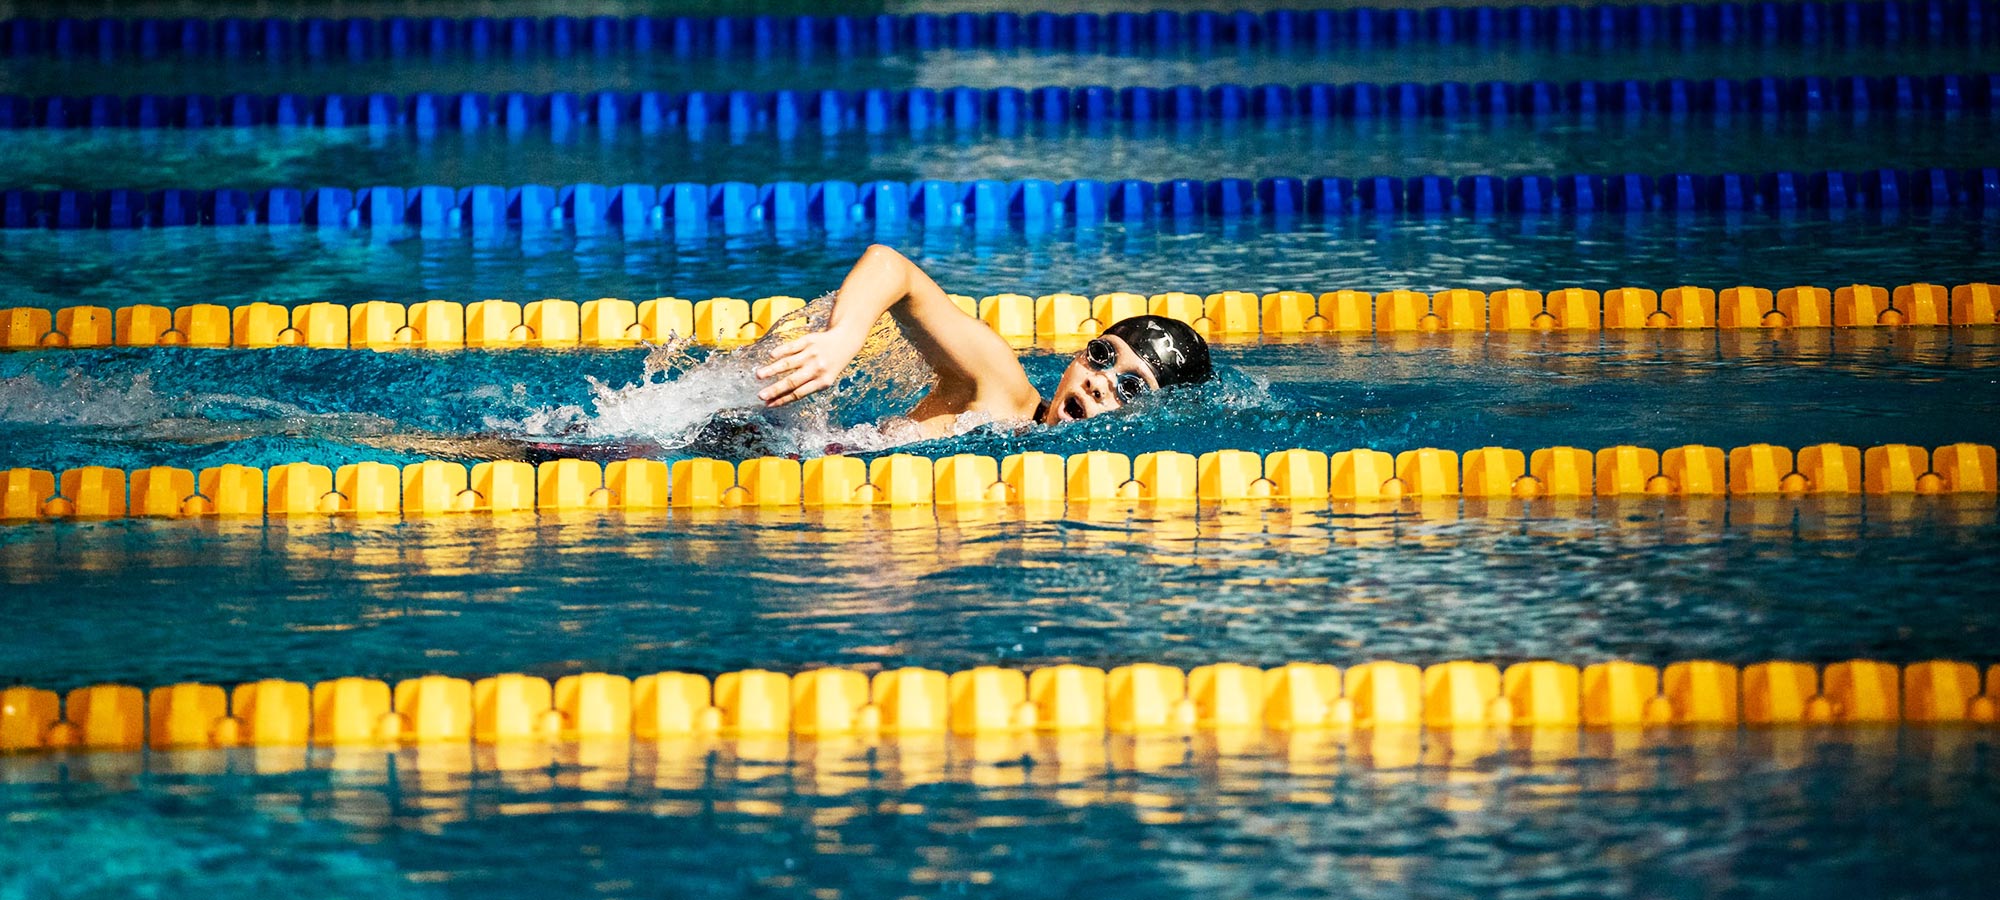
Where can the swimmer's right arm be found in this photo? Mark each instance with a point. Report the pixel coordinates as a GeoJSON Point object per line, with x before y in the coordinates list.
{"type": "Point", "coordinates": [969, 358]}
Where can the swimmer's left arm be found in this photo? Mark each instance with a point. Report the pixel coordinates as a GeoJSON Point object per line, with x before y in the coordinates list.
{"type": "Point", "coordinates": [970, 359]}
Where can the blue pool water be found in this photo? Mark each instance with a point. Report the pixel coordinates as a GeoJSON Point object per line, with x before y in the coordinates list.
{"type": "Point", "coordinates": [949, 68]}
{"type": "Point", "coordinates": [292, 265]}
{"type": "Point", "coordinates": [710, 593]}
{"type": "Point", "coordinates": [1775, 815]}
{"type": "Point", "coordinates": [252, 159]}
{"type": "Point", "coordinates": [195, 408]}
{"type": "Point", "coordinates": [1761, 812]}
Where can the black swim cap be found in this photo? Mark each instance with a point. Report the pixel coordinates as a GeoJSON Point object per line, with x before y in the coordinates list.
{"type": "Point", "coordinates": [1177, 354]}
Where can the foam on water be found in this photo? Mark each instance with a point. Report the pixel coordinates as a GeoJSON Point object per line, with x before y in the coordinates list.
{"type": "Point", "coordinates": [708, 402]}
{"type": "Point", "coordinates": [132, 409]}
{"type": "Point", "coordinates": [81, 401]}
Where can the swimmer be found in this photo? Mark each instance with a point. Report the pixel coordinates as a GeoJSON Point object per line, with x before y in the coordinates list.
{"type": "Point", "coordinates": [976, 369]}
{"type": "Point", "coordinates": [977, 375]}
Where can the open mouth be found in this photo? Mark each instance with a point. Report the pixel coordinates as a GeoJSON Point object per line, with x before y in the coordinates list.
{"type": "Point", "coordinates": [1073, 408]}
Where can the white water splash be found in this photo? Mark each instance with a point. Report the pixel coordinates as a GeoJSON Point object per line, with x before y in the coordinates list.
{"type": "Point", "coordinates": [679, 398]}
{"type": "Point", "coordinates": [134, 409]}
{"type": "Point", "coordinates": [80, 401]}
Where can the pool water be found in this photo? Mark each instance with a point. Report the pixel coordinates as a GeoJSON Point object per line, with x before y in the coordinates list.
{"type": "Point", "coordinates": [981, 69]}
{"type": "Point", "coordinates": [256, 158]}
{"type": "Point", "coordinates": [194, 408]}
{"type": "Point", "coordinates": [233, 266]}
{"type": "Point", "coordinates": [1740, 582]}
{"type": "Point", "coordinates": [1774, 812]}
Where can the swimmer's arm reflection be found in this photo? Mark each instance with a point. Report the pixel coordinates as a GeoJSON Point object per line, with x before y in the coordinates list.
{"type": "Point", "coordinates": [976, 370]}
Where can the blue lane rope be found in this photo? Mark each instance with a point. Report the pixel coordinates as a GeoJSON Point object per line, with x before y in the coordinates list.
{"type": "Point", "coordinates": [691, 210]}
{"type": "Point", "coordinates": [1880, 22]}
{"type": "Point", "coordinates": [1003, 110]}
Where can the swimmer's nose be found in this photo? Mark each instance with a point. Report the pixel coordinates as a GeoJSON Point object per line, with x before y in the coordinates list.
{"type": "Point", "coordinates": [1099, 386]}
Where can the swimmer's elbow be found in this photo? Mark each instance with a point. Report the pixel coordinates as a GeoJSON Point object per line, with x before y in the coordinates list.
{"type": "Point", "coordinates": [889, 267]}
{"type": "Point", "coordinates": [884, 253]}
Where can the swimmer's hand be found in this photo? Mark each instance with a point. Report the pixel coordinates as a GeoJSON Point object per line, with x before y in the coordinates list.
{"type": "Point", "coordinates": [808, 364]}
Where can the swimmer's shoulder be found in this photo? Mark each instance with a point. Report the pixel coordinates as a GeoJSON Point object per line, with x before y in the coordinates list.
{"type": "Point", "coordinates": [1011, 397]}
{"type": "Point", "coordinates": [1022, 404]}
{"type": "Point", "coordinates": [976, 414]}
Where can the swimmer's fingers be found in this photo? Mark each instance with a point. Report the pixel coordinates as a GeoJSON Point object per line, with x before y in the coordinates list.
{"type": "Point", "coordinates": [789, 388]}
{"type": "Point", "coordinates": [804, 390]}
{"type": "Point", "coordinates": [787, 356]}
{"type": "Point", "coordinates": [780, 367]}
{"type": "Point", "coordinates": [810, 375]}
{"type": "Point", "coordinates": [791, 347]}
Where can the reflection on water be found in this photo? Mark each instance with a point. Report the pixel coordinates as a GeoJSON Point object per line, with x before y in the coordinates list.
{"type": "Point", "coordinates": [251, 159]}
{"type": "Point", "coordinates": [1766, 812]}
{"type": "Point", "coordinates": [239, 265]}
{"type": "Point", "coordinates": [584, 73]}
{"type": "Point", "coordinates": [1897, 578]}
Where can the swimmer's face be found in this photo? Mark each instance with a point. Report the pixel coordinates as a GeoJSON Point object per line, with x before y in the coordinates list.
{"type": "Point", "coordinates": [1102, 378]}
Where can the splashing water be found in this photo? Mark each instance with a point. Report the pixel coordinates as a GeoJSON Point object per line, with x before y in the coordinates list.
{"type": "Point", "coordinates": [709, 402]}
{"type": "Point", "coordinates": [135, 410]}
{"type": "Point", "coordinates": [686, 400]}
{"type": "Point", "coordinates": [80, 401]}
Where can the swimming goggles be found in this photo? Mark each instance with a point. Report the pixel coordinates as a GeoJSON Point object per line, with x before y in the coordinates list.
{"type": "Point", "coordinates": [1101, 355]}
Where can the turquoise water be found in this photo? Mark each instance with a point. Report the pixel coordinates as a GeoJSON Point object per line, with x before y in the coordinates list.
{"type": "Point", "coordinates": [296, 265]}
{"type": "Point", "coordinates": [949, 68]}
{"type": "Point", "coordinates": [1774, 816]}
{"type": "Point", "coordinates": [1755, 813]}
{"type": "Point", "coordinates": [1739, 581]}
{"type": "Point", "coordinates": [253, 158]}
{"type": "Point", "coordinates": [257, 158]}
{"type": "Point", "coordinates": [471, 596]}
{"type": "Point", "coordinates": [194, 408]}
